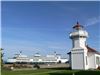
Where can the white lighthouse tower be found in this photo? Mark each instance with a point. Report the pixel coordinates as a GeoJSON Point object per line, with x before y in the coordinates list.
{"type": "Point", "coordinates": [79, 51]}
{"type": "Point", "coordinates": [81, 55]}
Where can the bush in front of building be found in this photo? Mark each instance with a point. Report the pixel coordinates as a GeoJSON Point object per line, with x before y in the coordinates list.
{"type": "Point", "coordinates": [36, 66]}
{"type": "Point", "coordinates": [98, 68]}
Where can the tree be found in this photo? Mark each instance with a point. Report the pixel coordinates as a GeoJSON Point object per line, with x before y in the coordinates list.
{"type": "Point", "coordinates": [1, 56]}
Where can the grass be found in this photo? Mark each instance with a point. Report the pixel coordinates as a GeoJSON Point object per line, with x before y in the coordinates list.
{"type": "Point", "coordinates": [55, 71]}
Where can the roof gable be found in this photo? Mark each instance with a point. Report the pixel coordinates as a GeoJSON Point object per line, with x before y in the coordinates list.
{"type": "Point", "coordinates": [92, 50]}
{"type": "Point", "coordinates": [89, 50]}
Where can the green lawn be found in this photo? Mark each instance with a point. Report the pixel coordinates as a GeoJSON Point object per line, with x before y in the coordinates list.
{"type": "Point", "coordinates": [50, 72]}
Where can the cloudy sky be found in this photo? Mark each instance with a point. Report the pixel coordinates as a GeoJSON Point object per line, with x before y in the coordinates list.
{"type": "Point", "coordinates": [44, 27]}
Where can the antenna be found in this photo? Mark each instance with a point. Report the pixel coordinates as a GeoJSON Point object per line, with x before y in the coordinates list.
{"type": "Point", "coordinates": [20, 52]}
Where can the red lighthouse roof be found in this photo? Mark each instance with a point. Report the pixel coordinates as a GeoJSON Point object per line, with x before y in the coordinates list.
{"type": "Point", "coordinates": [78, 25]}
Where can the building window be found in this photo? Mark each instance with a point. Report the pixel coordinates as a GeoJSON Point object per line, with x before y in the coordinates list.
{"type": "Point", "coordinates": [97, 60]}
{"type": "Point", "coordinates": [86, 61]}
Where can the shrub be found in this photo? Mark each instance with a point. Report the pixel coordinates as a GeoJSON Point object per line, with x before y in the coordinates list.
{"type": "Point", "coordinates": [36, 66]}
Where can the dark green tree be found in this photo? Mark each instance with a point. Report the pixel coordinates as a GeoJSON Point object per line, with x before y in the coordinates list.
{"type": "Point", "coordinates": [1, 56]}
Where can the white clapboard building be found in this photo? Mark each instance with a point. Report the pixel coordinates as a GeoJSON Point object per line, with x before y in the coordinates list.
{"type": "Point", "coordinates": [81, 55]}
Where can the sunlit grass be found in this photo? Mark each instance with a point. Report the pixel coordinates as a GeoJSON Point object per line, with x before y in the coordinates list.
{"type": "Point", "coordinates": [50, 72]}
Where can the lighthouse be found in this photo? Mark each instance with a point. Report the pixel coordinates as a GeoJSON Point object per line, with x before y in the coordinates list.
{"type": "Point", "coordinates": [81, 56]}
{"type": "Point", "coordinates": [78, 36]}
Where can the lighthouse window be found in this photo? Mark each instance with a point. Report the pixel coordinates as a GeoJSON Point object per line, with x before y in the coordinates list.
{"type": "Point", "coordinates": [97, 60]}
{"type": "Point", "coordinates": [81, 36]}
{"type": "Point", "coordinates": [86, 61]}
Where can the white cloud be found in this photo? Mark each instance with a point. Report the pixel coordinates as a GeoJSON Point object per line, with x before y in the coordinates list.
{"type": "Point", "coordinates": [93, 21]}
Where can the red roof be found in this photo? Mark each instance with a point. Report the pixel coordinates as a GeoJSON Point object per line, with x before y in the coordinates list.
{"type": "Point", "coordinates": [92, 50]}
{"type": "Point", "coordinates": [89, 50]}
{"type": "Point", "coordinates": [77, 25]}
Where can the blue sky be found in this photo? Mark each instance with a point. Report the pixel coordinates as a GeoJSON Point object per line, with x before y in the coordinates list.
{"type": "Point", "coordinates": [44, 27]}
